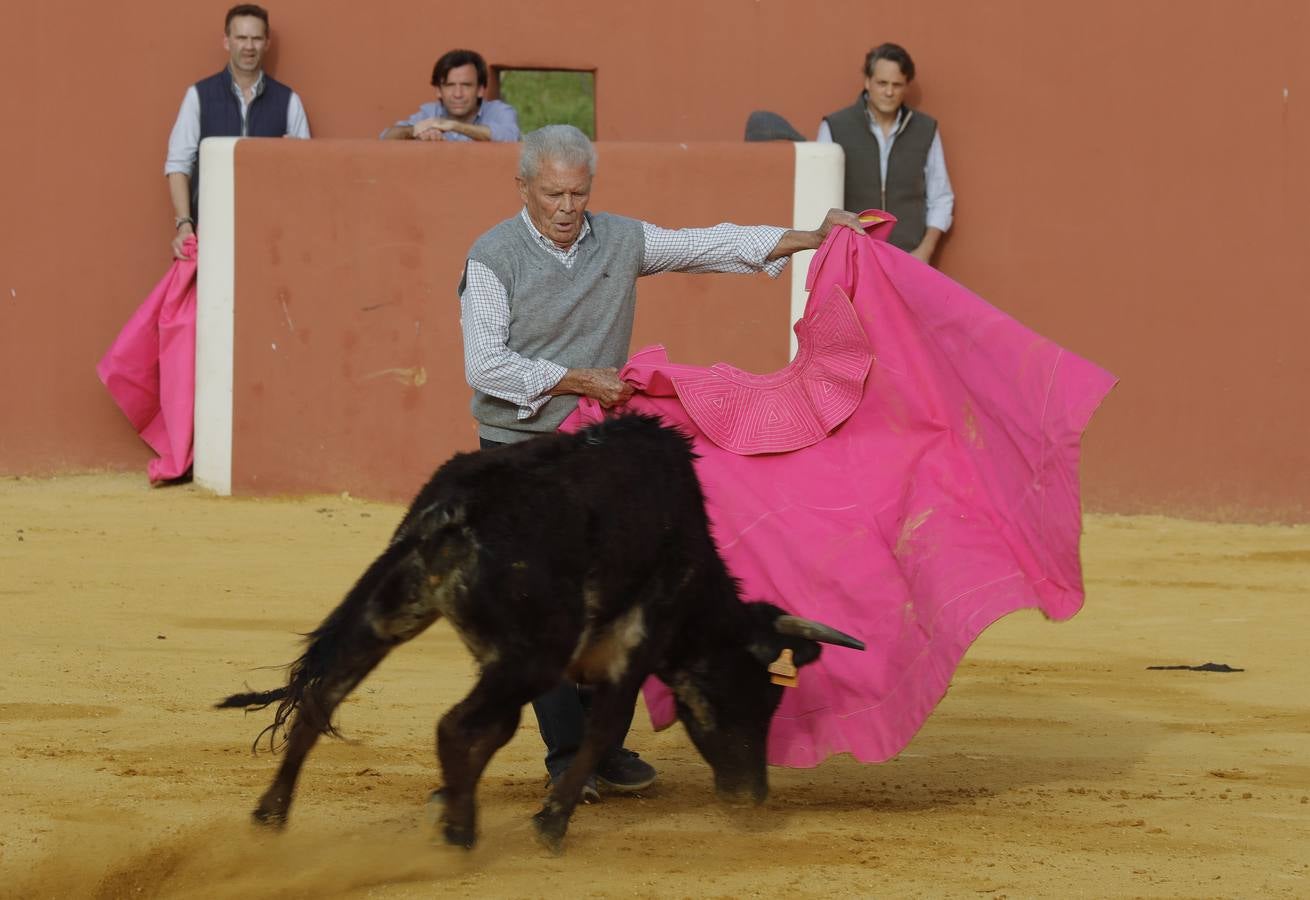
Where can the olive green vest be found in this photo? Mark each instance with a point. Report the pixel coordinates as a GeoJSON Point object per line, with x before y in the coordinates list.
{"type": "Point", "coordinates": [905, 194]}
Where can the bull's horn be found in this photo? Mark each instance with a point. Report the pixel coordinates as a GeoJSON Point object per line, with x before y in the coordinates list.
{"type": "Point", "coordinates": [815, 631]}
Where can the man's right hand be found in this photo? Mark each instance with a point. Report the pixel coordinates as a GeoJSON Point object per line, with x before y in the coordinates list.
{"type": "Point", "coordinates": [182, 234]}
{"type": "Point", "coordinates": [796, 241]}
{"type": "Point", "coordinates": [602, 385]}
{"type": "Point", "coordinates": [433, 129]}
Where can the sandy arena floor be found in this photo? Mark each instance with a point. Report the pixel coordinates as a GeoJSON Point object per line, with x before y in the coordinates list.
{"type": "Point", "coordinates": [1057, 766]}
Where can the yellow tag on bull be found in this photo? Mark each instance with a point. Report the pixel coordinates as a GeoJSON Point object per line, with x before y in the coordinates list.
{"type": "Point", "coordinates": [783, 670]}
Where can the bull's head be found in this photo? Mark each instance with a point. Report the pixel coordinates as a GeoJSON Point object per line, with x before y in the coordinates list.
{"type": "Point", "coordinates": [725, 697]}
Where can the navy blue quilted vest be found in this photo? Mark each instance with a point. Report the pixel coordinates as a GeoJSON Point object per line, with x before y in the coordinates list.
{"type": "Point", "coordinates": [220, 116]}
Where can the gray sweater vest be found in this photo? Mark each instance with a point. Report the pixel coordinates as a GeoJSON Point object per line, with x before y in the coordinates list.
{"type": "Point", "coordinates": [579, 317]}
{"type": "Point", "coordinates": [905, 194]}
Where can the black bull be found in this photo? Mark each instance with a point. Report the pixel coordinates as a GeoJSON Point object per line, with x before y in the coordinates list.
{"type": "Point", "coordinates": [584, 556]}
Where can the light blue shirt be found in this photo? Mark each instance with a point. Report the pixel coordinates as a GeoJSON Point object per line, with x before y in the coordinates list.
{"type": "Point", "coordinates": [497, 115]}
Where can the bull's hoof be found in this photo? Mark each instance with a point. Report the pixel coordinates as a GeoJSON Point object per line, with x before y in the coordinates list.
{"type": "Point", "coordinates": [742, 796]}
{"type": "Point", "coordinates": [550, 831]}
{"type": "Point", "coordinates": [460, 836]}
{"type": "Point", "coordinates": [275, 819]}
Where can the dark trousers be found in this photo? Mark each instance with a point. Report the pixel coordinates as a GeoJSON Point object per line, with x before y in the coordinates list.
{"type": "Point", "coordinates": [561, 718]}
{"type": "Point", "coordinates": [562, 711]}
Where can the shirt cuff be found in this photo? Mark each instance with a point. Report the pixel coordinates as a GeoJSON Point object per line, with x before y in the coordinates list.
{"type": "Point", "coordinates": [546, 375]}
{"type": "Point", "coordinates": [769, 237]}
{"type": "Point", "coordinates": [940, 221]}
{"type": "Point", "coordinates": [774, 268]}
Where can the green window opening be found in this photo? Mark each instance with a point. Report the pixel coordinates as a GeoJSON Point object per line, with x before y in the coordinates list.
{"type": "Point", "coordinates": [550, 97]}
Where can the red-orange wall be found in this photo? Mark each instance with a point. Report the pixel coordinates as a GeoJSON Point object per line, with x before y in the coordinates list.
{"type": "Point", "coordinates": [348, 362]}
{"type": "Point", "coordinates": [1131, 180]}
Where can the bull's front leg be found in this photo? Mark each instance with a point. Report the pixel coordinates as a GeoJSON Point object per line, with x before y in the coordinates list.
{"type": "Point", "coordinates": [606, 717]}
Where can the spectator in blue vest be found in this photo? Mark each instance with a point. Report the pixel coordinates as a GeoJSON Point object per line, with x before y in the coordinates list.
{"type": "Point", "coordinates": [461, 111]}
{"type": "Point", "coordinates": [894, 158]}
{"type": "Point", "coordinates": [240, 101]}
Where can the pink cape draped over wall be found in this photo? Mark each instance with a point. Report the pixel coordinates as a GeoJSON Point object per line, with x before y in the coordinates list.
{"type": "Point", "coordinates": [911, 506]}
{"type": "Point", "coordinates": [150, 369]}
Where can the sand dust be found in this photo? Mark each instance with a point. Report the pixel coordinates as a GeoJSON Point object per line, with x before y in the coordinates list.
{"type": "Point", "coordinates": [1058, 765]}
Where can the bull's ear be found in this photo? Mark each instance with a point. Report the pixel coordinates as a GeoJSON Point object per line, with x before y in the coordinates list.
{"type": "Point", "coordinates": [766, 649]}
{"type": "Point", "coordinates": [770, 630]}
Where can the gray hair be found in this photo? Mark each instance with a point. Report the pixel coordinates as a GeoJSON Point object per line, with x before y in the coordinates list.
{"type": "Point", "coordinates": [559, 143]}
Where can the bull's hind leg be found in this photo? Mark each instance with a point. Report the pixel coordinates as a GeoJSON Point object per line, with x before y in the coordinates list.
{"type": "Point", "coordinates": [311, 721]}
{"type": "Point", "coordinates": [610, 705]}
{"type": "Point", "coordinates": [470, 734]}
{"type": "Point", "coordinates": [391, 604]}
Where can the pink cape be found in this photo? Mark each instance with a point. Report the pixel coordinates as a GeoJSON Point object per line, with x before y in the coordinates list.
{"type": "Point", "coordinates": [946, 498]}
{"type": "Point", "coordinates": [150, 369]}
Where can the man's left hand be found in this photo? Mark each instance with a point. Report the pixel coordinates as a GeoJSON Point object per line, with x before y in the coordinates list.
{"type": "Point", "coordinates": [838, 218]}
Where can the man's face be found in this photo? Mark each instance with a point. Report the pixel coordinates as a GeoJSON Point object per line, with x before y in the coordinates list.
{"type": "Point", "coordinates": [460, 93]}
{"type": "Point", "coordinates": [556, 198]}
{"type": "Point", "coordinates": [246, 42]}
{"type": "Point", "coordinates": [886, 87]}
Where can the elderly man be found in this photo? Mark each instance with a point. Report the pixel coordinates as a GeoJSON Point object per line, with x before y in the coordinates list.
{"type": "Point", "coordinates": [547, 303]}
{"type": "Point", "coordinates": [461, 111]}
{"type": "Point", "coordinates": [240, 101]}
{"type": "Point", "coordinates": [894, 158]}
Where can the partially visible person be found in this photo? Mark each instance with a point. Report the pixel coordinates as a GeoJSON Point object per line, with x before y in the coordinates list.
{"type": "Point", "coordinates": [763, 125]}
{"type": "Point", "coordinates": [240, 101]}
{"type": "Point", "coordinates": [894, 158]}
{"type": "Point", "coordinates": [461, 111]}
{"type": "Point", "coordinates": [546, 307]}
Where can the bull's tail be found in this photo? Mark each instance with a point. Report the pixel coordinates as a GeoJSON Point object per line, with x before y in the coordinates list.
{"type": "Point", "coordinates": [392, 602]}
{"type": "Point", "coordinates": [252, 700]}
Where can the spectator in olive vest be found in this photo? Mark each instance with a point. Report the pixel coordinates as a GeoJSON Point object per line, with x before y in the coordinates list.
{"type": "Point", "coordinates": [894, 159]}
{"type": "Point", "coordinates": [240, 101]}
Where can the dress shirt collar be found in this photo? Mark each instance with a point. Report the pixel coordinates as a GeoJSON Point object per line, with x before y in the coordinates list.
{"type": "Point", "coordinates": [255, 90]}
{"type": "Point", "coordinates": [441, 112]}
{"type": "Point", "coordinates": [548, 243]}
{"type": "Point", "coordinates": [902, 117]}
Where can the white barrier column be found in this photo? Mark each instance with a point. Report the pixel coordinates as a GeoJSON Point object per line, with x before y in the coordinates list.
{"type": "Point", "coordinates": [215, 307]}
{"type": "Point", "coordinates": [820, 186]}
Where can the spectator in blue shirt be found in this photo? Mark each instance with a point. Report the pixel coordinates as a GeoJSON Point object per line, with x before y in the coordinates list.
{"type": "Point", "coordinates": [460, 112]}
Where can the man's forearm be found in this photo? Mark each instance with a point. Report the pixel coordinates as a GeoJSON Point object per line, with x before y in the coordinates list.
{"type": "Point", "coordinates": [179, 191]}
{"type": "Point", "coordinates": [928, 245]}
{"type": "Point", "coordinates": [473, 132]}
{"type": "Point", "coordinates": [794, 242]}
{"type": "Point", "coordinates": [602, 385]}
{"type": "Point", "coordinates": [398, 133]}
